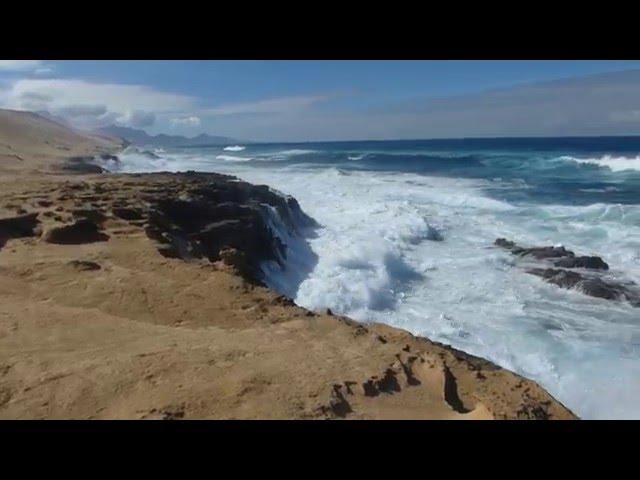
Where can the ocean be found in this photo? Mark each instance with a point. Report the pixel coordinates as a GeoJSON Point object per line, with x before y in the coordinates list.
{"type": "Point", "coordinates": [405, 233]}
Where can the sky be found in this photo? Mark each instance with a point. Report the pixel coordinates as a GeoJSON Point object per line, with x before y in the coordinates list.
{"type": "Point", "coordinates": [333, 100]}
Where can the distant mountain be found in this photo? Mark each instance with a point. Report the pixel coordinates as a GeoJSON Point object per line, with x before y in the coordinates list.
{"type": "Point", "coordinates": [142, 138]}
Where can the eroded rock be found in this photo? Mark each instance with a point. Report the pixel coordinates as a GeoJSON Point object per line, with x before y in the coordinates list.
{"type": "Point", "coordinates": [588, 279]}
{"type": "Point", "coordinates": [593, 263]}
{"type": "Point", "coordinates": [82, 231]}
{"type": "Point", "coordinates": [18, 227]}
{"type": "Point", "coordinates": [84, 265]}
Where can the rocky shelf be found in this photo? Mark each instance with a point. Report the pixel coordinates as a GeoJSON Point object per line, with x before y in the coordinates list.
{"type": "Point", "coordinates": [562, 267]}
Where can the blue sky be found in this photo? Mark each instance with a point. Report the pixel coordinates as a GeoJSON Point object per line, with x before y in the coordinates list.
{"type": "Point", "coordinates": [325, 100]}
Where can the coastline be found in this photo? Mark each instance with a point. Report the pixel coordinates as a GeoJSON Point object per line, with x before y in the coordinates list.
{"type": "Point", "coordinates": [145, 335]}
{"type": "Point", "coordinates": [116, 304]}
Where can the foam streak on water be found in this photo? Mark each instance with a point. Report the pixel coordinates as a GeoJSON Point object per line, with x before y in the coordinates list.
{"type": "Point", "coordinates": [406, 238]}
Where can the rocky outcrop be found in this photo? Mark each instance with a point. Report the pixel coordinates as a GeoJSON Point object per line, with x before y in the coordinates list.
{"type": "Point", "coordinates": [581, 273]}
{"type": "Point", "coordinates": [188, 216]}
{"type": "Point", "coordinates": [18, 227]}
{"type": "Point", "coordinates": [219, 218]}
{"type": "Point", "coordinates": [82, 165]}
{"type": "Point", "coordinates": [79, 232]}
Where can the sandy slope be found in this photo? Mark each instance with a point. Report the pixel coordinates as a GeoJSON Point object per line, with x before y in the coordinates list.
{"type": "Point", "coordinates": [31, 143]}
{"type": "Point", "coordinates": [130, 333]}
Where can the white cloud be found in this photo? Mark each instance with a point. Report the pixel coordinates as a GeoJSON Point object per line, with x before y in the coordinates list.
{"type": "Point", "coordinates": [190, 121]}
{"type": "Point", "coordinates": [43, 71]}
{"type": "Point", "coordinates": [21, 65]}
{"type": "Point", "coordinates": [117, 97]}
{"type": "Point", "coordinates": [138, 118]}
{"type": "Point", "coordinates": [88, 104]}
{"type": "Point", "coordinates": [274, 105]}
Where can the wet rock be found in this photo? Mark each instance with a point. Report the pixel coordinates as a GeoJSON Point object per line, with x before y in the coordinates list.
{"type": "Point", "coordinates": [541, 253]}
{"type": "Point", "coordinates": [214, 216]}
{"type": "Point", "coordinates": [504, 243]}
{"type": "Point", "coordinates": [590, 283]}
{"type": "Point", "coordinates": [561, 278]}
{"type": "Point", "coordinates": [82, 231]}
{"type": "Point", "coordinates": [592, 286]}
{"type": "Point", "coordinates": [593, 263]}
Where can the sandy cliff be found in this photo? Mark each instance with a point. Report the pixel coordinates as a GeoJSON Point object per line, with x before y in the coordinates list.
{"type": "Point", "coordinates": [139, 296]}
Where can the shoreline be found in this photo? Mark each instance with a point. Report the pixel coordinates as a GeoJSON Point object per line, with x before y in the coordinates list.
{"type": "Point", "coordinates": [140, 296]}
{"type": "Point", "coordinates": [389, 373]}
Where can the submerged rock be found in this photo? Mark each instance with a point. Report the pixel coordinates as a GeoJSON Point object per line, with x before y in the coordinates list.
{"type": "Point", "coordinates": [592, 284]}
{"type": "Point", "coordinates": [593, 263]}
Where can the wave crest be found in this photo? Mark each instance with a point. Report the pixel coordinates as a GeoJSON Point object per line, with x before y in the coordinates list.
{"type": "Point", "coordinates": [615, 164]}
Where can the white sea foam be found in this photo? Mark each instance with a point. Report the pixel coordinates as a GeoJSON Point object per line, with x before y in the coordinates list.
{"type": "Point", "coordinates": [615, 164]}
{"type": "Point", "coordinates": [234, 148]}
{"type": "Point", "coordinates": [375, 258]}
{"type": "Point", "coordinates": [232, 158]}
{"type": "Point", "coordinates": [295, 151]}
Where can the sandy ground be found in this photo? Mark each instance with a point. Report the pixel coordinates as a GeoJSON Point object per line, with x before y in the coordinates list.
{"type": "Point", "coordinates": [113, 329]}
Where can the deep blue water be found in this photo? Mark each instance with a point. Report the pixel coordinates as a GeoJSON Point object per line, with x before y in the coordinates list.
{"type": "Point", "coordinates": [568, 171]}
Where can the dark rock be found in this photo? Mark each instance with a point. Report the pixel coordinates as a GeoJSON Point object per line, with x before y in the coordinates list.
{"type": "Point", "coordinates": [235, 258]}
{"type": "Point", "coordinates": [18, 227]}
{"type": "Point", "coordinates": [541, 253]}
{"type": "Point", "coordinates": [532, 412]}
{"type": "Point", "coordinates": [95, 215]}
{"type": "Point", "coordinates": [128, 213]}
{"type": "Point", "coordinates": [538, 253]}
{"type": "Point", "coordinates": [338, 404]}
{"type": "Point", "coordinates": [561, 278]}
{"type": "Point", "coordinates": [504, 243]}
{"type": "Point", "coordinates": [84, 265]}
{"type": "Point", "coordinates": [82, 165]}
{"type": "Point", "coordinates": [594, 263]}
{"type": "Point", "coordinates": [592, 286]}
{"type": "Point", "coordinates": [82, 231]}
{"type": "Point", "coordinates": [214, 216]}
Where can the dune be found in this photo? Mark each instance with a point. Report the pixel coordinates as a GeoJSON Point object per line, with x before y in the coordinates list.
{"type": "Point", "coordinates": [140, 297]}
